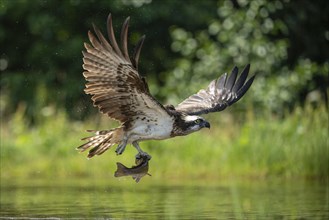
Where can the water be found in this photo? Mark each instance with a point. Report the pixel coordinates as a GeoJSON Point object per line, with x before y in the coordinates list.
{"type": "Point", "coordinates": [158, 199]}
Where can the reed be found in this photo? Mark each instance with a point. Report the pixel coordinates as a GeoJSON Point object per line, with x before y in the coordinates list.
{"type": "Point", "coordinates": [260, 146]}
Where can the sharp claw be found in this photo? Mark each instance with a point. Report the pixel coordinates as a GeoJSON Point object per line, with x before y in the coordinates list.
{"type": "Point", "coordinates": [141, 156]}
{"type": "Point", "coordinates": [118, 153]}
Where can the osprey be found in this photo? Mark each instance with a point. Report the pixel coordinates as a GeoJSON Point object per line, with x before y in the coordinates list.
{"type": "Point", "coordinates": [120, 92]}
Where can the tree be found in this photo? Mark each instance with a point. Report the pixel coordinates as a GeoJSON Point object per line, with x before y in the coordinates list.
{"type": "Point", "coordinates": [188, 43]}
{"type": "Point", "coordinates": [267, 35]}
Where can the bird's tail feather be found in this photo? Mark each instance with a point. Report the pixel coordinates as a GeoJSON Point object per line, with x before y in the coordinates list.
{"type": "Point", "coordinates": [101, 141]}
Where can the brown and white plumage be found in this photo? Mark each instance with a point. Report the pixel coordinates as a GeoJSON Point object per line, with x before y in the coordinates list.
{"type": "Point", "coordinates": [220, 94]}
{"type": "Point", "coordinates": [113, 80]}
{"type": "Point", "coordinates": [118, 90]}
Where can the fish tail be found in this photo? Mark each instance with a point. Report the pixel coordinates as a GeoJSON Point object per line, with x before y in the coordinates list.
{"type": "Point", "coordinates": [101, 141]}
{"type": "Point", "coordinates": [121, 170]}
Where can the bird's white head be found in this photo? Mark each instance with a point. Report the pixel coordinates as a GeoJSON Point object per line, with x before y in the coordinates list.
{"type": "Point", "coordinates": [194, 123]}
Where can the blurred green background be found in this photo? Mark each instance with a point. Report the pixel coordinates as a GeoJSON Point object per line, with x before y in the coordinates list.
{"type": "Point", "coordinates": [280, 128]}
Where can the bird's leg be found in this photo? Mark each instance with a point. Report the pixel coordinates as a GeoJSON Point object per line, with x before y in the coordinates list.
{"type": "Point", "coordinates": [141, 154]}
{"type": "Point", "coordinates": [121, 147]}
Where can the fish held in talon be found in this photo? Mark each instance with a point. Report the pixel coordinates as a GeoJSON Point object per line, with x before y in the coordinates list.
{"type": "Point", "coordinates": [142, 157]}
{"type": "Point", "coordinates": [136, 172]}
{"type": "Point", "coordinates": [119, 91]}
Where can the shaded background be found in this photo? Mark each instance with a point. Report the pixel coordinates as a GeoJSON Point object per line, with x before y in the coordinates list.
{"type": "Point", "coordinates": [188, 43]}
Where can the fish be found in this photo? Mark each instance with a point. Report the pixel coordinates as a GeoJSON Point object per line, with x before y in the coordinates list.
{"type": "Point", "coordinates": [136, 172]}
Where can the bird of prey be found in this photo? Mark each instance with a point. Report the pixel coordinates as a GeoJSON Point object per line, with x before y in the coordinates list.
{"type": "Point", "coordinates": [119, 91]}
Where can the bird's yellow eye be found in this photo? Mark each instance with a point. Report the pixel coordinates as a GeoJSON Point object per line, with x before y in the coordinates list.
{"type": "Point", "coordinates": [198, 121]}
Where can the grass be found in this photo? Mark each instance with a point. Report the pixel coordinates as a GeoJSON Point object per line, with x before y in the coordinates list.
{"type": "Point", "coordinates": [259, 147]}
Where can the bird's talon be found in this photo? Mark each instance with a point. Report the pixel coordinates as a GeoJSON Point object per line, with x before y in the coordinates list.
{"type": "Point", "coordinates": [141, 157]}
{"type": "Point", "coordinates": [118, 151]}
{"type": "Point", "coordinates": [120, 148]}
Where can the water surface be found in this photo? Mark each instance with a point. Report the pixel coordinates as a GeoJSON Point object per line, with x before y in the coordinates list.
{"type": "Point", "coordinates": [157, 199]}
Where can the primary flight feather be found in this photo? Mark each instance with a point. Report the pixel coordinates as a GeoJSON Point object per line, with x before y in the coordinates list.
{"type": "Point", "coordinates": [120, 92]}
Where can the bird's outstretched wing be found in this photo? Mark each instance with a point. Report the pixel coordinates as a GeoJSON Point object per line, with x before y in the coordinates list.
{"type": "Point", "coordinates": [113, 80]}
{"type": "Point", "coordinates": [220, 93]}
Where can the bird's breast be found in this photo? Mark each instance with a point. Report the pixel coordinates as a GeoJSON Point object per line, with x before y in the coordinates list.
{"type": "Point", "coordinates": [147, 129]}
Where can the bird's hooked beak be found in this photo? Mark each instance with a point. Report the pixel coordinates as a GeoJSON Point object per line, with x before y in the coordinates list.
{"type": "Point", "coordinates": [206, 124]}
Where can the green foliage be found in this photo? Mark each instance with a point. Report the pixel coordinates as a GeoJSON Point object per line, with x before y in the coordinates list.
{"type": "Point", "coordinates": [263, 146]}
{"type": "Point", "coordinates": [250, 32]}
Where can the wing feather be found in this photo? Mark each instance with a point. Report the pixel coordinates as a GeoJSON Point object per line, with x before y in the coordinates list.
{"type": "Point", "coordinates": [232, 78]}
{"type": "Point", "coordinates": [242, 78]}
{"type": "Point", "coordinates": [102, 39]}
{"type": "Point", "coordinates": [137, 51]}
{"type": "Point", "coordinates": [124, 40]}
{"type": "Point", "coordinates": [220, 93]}
{"type": "Point", "coordinates": [113, 81]}
{"type": "Point", "coordinates": [111, 35]}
